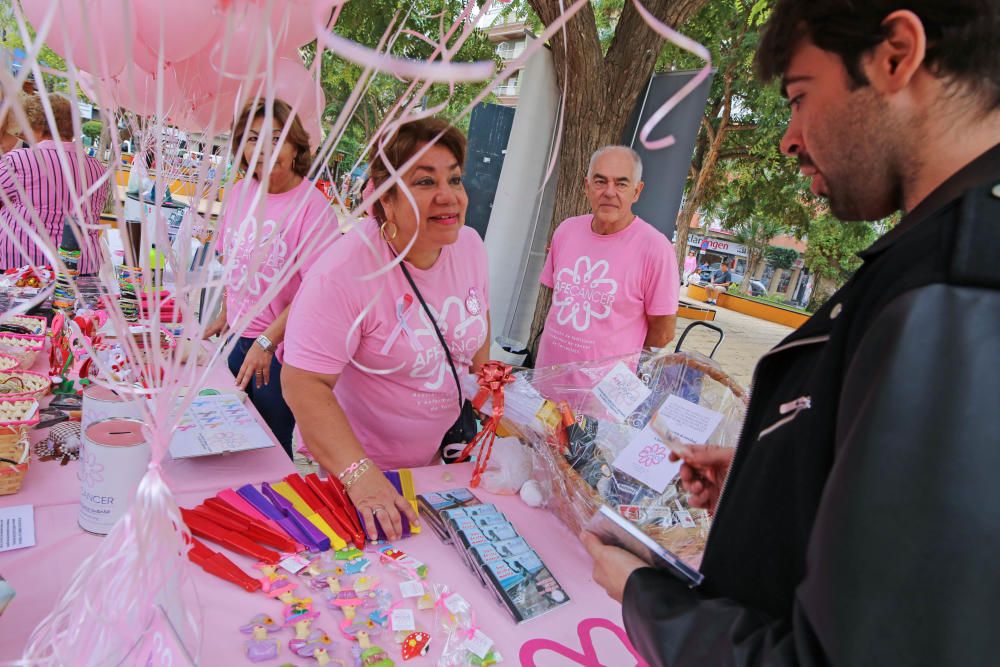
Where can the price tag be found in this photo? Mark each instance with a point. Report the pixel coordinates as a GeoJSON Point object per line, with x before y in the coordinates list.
{"type": "Point", "coordinates": [479, 644]}
{"type": "Point", "coordinates": [455, 603]}
{"type": "Point", "coordinates": [294, 563]}
{"type": "Point", "coordinates": [402, 620]}
{"type": "Point", "coordinates": [411, 589]}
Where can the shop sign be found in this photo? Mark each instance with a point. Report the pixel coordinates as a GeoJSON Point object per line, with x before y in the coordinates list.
{"type": "Point", "coordinates": [717, 245]}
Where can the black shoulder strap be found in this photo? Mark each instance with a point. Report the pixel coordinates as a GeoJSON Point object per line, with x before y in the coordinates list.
{"type": "Point", "coordinates": [430, 316]}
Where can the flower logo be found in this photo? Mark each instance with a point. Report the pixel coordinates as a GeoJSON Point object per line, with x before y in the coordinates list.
{"type": "Point", "coordinates": [91, 472]}
{"type": "Point", "coordinates": [584, 293]}
{"type": "Point", "coordinates": [652, 455]}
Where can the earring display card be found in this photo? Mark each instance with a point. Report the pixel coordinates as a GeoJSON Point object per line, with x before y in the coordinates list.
{"type": "Point", "coordinates": [432, 504]}
{"type": "Point", "coordinates": [217, 424]}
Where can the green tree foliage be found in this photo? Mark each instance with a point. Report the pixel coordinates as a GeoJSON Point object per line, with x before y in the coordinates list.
{"type": "Point", "coordinates": [10, 39]}
{"type": "Point", "coordinates": [781, 258]}
{"type": "Point", "coordinates": [737, 171]}
{"type": "Point", "coordinates": [92, 129]}
{"type": "Point", "coordinates": [366, 23]}
{"type": "Point", "coordinates": [756, 234]}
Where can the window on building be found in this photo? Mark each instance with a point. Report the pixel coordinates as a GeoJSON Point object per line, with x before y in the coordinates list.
{"type": "Point", "coordinates": [786, 277]}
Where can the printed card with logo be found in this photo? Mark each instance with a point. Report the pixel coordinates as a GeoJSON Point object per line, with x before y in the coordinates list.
{"type": "Point", "coordinates": [646, 458]}
{"type": "Point", "coordinates": [621, 392]}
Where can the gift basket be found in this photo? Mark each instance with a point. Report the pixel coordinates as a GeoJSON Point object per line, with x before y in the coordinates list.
{"type": "Point", "coordinates": [604, 430]}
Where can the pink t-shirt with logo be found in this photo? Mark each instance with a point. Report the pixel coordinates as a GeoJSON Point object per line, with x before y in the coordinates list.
{"type": "Point", "coordinates": [603, 288]}
{"type": "Point", "coordinates": [395, 384]}
{"type": "Point", "coordinates": [260, 235]}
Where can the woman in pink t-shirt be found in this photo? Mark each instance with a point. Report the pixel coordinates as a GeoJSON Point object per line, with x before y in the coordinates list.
{"type": "Point", "coordinates": [268, 239]}
{"type": "Point", "coordinates": [358, 326]}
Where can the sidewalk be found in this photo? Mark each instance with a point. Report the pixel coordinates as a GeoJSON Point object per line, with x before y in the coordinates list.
{"type": "Point", "coordinates": [747, 339]}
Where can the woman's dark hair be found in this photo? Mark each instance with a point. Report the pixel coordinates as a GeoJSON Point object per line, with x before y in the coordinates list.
{"type": "Point", "coordinates": [281, 111]}
{"type": "Point", "coordinates": [963, 37]}
{"type": "Point", "coordinates": [405, 142]}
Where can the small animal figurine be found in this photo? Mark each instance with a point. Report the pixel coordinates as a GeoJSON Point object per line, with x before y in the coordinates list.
{"type": "Point", "coordinates": [261, 647]}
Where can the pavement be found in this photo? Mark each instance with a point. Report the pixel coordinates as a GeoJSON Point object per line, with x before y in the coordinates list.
{"type": "Point", "coordinates": [747, 339]}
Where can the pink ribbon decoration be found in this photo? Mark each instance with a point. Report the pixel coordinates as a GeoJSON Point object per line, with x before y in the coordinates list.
{"type": "Point", "coordinates": [403, 310]}
{"type": "Point", "coordinates": [588, 656]}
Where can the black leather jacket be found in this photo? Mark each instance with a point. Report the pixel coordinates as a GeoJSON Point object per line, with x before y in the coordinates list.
{"type": "Point", "coordinates": [860, 524]}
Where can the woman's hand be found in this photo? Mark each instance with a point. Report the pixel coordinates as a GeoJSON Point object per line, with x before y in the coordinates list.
{"type": "Point", "coordinates": [217, 327]}
{"type": "Point", "coordinates": [376, 498]}
{"type": "Point", "coordinates": [256, 366]}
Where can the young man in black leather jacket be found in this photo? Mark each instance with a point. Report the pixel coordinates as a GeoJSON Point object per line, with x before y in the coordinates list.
{"type": "Point", "coordinates": [860, 520]}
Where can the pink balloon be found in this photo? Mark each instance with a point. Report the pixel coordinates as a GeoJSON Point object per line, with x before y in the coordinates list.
{"type": "Point", "coordinates": [88, 35]}
{"type": "Point", "coordinates": [216, 114]}
{"type": "Point", "coordinates": [187, 26]}
{"type": "Point", "coordinates": [136, 90]}
{"type": "Point", "coordinates": [199, 80]}
{"type": "Point", "coordinates": [243, 43]}
{"type": "Point", "coordinates": [143, 58]}
{"type": "Point", "coordinates": [293, 23]}
{"type": "Point", "coordinates": [294, 84]}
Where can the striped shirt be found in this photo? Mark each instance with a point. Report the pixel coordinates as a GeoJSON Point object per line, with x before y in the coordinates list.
{"type": "Point", "coordinates": [39, 173]}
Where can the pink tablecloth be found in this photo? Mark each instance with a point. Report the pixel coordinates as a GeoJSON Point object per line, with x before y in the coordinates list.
{"type": "Point", "coordinates": [40, 574]}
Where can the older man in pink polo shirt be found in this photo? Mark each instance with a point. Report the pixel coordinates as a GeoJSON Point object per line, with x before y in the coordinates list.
{"type": "Point", "coordinates": [613, 276]}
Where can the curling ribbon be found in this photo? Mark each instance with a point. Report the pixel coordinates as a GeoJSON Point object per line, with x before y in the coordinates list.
{"type": "Point", "coordinates": [492, 378]}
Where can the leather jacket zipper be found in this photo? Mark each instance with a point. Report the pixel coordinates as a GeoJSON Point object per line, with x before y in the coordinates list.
{"type": "Point", "coordinates": [753, 380]}
{"type": "Point", "coordinates": [793, 407]}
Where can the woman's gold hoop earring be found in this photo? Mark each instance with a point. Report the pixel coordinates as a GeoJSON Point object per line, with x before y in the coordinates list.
{"type": "Point", "coordinates": [395, 230]}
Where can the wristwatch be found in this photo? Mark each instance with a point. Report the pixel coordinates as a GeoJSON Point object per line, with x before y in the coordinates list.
{"type": "Point", "coordinates": [265, 343]}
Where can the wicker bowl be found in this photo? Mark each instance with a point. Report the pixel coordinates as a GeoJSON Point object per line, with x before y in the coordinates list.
{"type": "Point", "coordinates": [23, 385]}
{"type": "Point", "coordinates": [23, 348]}
{"type": "Point", "coordinates": [8, 362]}
{"type": "Point", "coordinates": [36, 324]}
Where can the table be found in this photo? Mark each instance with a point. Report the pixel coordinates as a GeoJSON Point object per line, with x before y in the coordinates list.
{"type": "Point", "coordinates": [40, 574]}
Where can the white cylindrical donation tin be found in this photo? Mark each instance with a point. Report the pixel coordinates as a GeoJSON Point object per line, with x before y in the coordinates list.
{"type": "Point", "coordinates": [103, 403]}
{"type": "Point", "coordinates": [113, 460]}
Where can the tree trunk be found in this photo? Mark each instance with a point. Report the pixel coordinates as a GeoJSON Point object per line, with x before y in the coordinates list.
{"type": "Point", "coordinates": [599, 97]}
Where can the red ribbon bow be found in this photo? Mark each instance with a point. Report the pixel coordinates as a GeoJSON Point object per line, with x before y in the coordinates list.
{"type": "Point", "coordinates": [493, 376]}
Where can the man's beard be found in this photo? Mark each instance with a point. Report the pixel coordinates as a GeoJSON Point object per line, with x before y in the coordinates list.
{"type": "Point", "coordinates": [864, 179]}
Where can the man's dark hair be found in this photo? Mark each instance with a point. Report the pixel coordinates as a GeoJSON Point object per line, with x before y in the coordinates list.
{"type": "Point", "coordinates": [963, 37]}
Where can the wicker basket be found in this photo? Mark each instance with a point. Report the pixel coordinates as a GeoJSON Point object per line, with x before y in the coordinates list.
{"type": "Point", "coordinates": [574, 500]}
{"type": "Point", "coordinates": [8, 363]}
{"type": "Point", "coordinates": [14, 465]}
{"type": "Point", "coordinates": [23, 348]}
{"type": "Point", "coordinates": [36, 324]}
{"type": "Point", "coordinates": [23, 385]}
